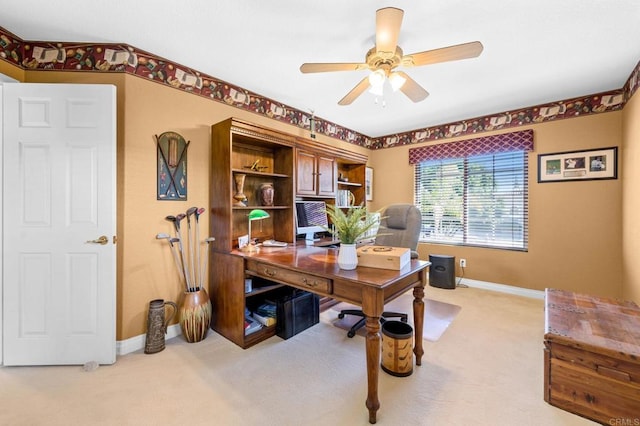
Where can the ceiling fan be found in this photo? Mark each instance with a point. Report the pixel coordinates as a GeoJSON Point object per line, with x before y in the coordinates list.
{"type": "Point", "coordinates": [386, 56]}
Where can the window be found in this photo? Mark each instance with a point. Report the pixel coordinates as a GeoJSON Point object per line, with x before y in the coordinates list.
{"type": "Point", "coordinates": [475, 199]}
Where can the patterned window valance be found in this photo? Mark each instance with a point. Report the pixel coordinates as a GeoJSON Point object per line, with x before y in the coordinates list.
{"type": "Point", "coordinates": [506, 142]}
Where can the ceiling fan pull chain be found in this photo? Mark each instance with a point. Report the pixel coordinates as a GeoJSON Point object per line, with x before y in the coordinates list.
{"type": "Point", "coordinates": [383, 103]}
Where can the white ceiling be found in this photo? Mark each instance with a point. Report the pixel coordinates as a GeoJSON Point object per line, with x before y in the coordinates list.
{"type": "Point", "coordinates": [534, 51]}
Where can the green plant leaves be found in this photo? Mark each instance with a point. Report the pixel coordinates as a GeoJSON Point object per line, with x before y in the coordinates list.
{"type": "Point", "coordinates": [351, 226]}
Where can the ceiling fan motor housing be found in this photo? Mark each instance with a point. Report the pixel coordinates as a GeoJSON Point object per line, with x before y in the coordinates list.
{"type": "Point", "coordinates": [383, 60]}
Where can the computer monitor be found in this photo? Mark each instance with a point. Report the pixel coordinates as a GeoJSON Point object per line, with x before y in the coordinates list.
{"type": "Point", "coordinates": [311, 217]}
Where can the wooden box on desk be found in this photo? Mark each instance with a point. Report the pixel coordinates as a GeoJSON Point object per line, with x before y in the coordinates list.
{"type": "Point", "coordinates": [592, 356]}
{"type": "Point", "coordinates": [383, 257]}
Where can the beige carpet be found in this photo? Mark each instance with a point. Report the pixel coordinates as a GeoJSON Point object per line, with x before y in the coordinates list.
{"type": "Point", "coordinates": [437, 315]}
{"type": "Point", "coordinates": [486, 369]}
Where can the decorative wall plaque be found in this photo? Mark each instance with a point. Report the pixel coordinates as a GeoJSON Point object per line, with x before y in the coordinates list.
{"type": "Point", "coordinates": [172, 166]}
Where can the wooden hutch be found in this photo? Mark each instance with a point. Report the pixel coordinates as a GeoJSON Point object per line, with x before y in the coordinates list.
{"type": "Point", "coordinates": [297, 168]}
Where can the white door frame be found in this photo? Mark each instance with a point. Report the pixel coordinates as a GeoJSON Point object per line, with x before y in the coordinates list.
{"type": "Point", "coordinates": [1, 222]}
{"type": "Point", "coordinates": [3, 79]}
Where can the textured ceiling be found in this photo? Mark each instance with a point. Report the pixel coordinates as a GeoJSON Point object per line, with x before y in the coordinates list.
{"type": "Point", "coordinates": [534, 52]}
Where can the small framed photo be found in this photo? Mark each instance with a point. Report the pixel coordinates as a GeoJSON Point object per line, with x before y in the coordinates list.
{"type": "Point", "coordinates": [368, 183]}
{"type": "Point", "coordinates": [578, 165]}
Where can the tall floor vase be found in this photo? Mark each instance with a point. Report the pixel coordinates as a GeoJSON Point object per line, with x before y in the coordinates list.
{"type": "Point", "coordinates": [195, 315]}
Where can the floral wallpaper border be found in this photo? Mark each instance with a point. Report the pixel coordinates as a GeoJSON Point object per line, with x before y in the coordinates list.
{"type": "Point", "coordinates": [89, 57]}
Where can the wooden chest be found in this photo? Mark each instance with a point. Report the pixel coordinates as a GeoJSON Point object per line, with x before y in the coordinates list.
{"type": "Point", "coordinates": [592, 357]}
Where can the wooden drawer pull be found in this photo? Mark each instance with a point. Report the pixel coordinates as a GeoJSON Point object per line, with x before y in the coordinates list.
{"type": "Point", "coordinates": [309, 283]}
{"type": "Point", "coordinates": [613, 373]}
{"type": "Point", "coordinates": [270, 272]}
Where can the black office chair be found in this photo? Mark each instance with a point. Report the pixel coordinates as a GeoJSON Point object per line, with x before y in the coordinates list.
{"type": "Point", "coordinates": [400, 225]}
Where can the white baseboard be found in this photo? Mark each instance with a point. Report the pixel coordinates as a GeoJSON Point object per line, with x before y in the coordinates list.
{"type": "Point", "coordinates": [503, 288]}
{"type": "Point", "coordinates": [137, 343]}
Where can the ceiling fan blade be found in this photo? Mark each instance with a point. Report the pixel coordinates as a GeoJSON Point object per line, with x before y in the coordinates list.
{"type": "Point", "coordinates": [355, 92]}
{"type": "Point", "coordinates": [388, 22]}
{"type": "Point", "coordinates": [329, 67]}
{"type": "Point", "coordinates": [444, 54]}
{"type": "Point", "coordinates": [412, 89]}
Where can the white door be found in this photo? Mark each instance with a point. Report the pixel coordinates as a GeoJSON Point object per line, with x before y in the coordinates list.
{"type": "Point", "coordinates": [59, 186]}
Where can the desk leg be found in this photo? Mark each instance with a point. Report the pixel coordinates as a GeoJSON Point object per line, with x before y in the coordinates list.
{"type": "Point", "coordinates": [373, 365]}
{"type": "Point", "coordinates": [418, 322]}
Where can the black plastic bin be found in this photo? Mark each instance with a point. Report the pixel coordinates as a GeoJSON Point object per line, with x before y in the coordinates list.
{"type": "Point", "coordinates": [296, 312]}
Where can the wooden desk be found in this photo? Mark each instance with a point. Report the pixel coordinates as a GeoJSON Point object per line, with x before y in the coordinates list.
{"type": "Point", "coordinates": [315, 269]}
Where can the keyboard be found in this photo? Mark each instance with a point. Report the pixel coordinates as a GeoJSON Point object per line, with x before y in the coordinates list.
{"type": "Point", "coordinates": [274, 243]}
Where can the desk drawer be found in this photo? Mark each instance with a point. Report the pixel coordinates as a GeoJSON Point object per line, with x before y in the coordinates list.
{"type": "Point", "coordinates": [312, 283]}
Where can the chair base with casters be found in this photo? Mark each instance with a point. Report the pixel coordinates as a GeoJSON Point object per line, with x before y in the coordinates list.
{"type": "Point", "coordinates": [357, 312]}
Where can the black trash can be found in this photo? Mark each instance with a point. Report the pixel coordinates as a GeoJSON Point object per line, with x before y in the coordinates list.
{"type": "Point", "coordinates": [397, 348]}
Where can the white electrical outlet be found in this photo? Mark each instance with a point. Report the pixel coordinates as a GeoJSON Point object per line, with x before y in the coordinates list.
{"type": "Point", "coordinates": [463, 263]}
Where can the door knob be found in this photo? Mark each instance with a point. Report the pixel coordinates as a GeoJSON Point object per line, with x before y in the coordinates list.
{"type": "Point", "coordinates": [102, 240]}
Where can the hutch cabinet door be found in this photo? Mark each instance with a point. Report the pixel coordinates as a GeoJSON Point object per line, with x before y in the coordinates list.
{"type": "Point", "coordinates": [326, 176]}
{"type": "Point", "coordinates": [316, 174]}
{"type": "Point", "coordinates": [306, 173]}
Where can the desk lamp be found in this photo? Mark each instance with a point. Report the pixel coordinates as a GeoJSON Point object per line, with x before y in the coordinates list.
{"type": "Point", "coordinates": [256, 214]}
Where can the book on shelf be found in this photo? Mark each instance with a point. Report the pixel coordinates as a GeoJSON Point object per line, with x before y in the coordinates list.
{"type": "Point", "coordinates": [264, 320]}
{"type": "Point", "coordinates": [251, 325]}
{"type": "Point", "coordinates": [267, 309]}
{"type": "Point", "coordinates": [344, 198]}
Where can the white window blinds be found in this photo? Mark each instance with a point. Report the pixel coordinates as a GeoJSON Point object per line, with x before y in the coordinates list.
{"type": "Point", "coordinates": [478, 200]}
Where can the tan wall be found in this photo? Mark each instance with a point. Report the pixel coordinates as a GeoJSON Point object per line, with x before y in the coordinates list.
{"type": "Point", "coordinates": [145, 269]}
{"type": "Point", "coordinates": [574, 227]}
{"type": "Point", "coordinates": [631, 200]}
{"type": "Point", "coordinates": [11, 71]}
{"type": "Point", "coordinates": [148, 270]}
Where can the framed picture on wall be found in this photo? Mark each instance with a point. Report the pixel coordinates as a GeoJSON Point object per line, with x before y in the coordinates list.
{"type": "Point", "coordinates": [368, 183]}
{"type": "Point", "coordinates": [578, 165]}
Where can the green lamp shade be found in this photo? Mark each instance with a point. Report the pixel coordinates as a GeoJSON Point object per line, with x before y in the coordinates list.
{"type": "Point", "coordinates": [258, 214]}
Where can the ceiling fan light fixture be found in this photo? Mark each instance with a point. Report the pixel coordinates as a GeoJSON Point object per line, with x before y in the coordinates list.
{"type": "Point", "coordinates": [377, 90]}
{"type": "Point", "coordinates": [376, 78]}
{"type": "Point", "coordinates": [396, 81]}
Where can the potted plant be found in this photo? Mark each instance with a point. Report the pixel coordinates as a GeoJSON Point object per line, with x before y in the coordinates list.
{"type": "Point", "coordinates": [349, 228]}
